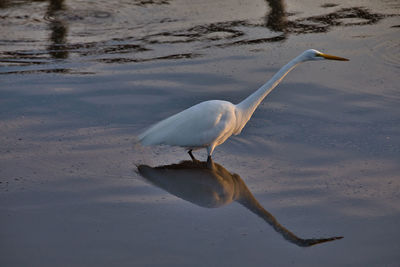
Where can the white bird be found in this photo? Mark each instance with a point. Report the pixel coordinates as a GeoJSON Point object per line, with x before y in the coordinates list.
{"type": "Point", "coordinates": [210, 123]}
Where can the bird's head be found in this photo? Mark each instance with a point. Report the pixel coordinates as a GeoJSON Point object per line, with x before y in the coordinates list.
{"type": "Point", "coordinates": [312, 54]}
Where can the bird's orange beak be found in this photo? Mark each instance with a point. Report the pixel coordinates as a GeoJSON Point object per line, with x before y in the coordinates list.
{"type": "Point", "coordinates": [326, 56]}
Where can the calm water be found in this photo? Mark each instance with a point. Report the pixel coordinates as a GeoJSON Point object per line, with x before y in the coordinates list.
{"type": "Point", "coordinates": [319, 159]}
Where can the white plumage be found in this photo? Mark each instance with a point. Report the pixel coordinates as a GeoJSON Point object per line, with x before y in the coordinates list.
{"type": "Point", "coordinates": [199, 126]}
{"type": "Point", "coordinates": [208, 124]}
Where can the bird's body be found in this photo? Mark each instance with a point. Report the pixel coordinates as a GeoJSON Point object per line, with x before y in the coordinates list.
{"type": "Point", "coordinates": [210, 123]}
{"type": "Point", "coordinates": [205, 125]}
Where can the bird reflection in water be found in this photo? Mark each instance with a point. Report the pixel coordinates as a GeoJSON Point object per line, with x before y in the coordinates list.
{"type": "Point", "coordinates": [212, 187]}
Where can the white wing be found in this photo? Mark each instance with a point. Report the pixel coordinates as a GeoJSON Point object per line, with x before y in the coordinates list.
{"type": "Point", "coordinates": [198, 126]}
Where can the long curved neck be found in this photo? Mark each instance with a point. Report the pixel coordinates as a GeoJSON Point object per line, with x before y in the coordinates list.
{"type": "Point", "coordinates": [248, 106]}
{"type": "Point", "coordinates": [246, 198]}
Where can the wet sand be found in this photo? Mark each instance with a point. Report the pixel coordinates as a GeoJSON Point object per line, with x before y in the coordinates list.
{"type": "Point", "coordinates": [321, 154]}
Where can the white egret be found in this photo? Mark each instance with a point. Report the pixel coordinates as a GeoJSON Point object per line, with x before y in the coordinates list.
{"type": "Point", "coordinates": [210, 123]}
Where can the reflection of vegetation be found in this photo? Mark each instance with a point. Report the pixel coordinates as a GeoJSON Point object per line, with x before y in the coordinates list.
{"type": "Point", "coordinates": [219, 34]}
{"type": "Point", "coordinates": [59, 30]}
{"type": "Point", "coordinates": [323, 23]}
{"type": "Point", "coordinates": [52, 70]}
{"type": "Point", "coordinates": [125, 60]}
{"type": "Point", "coordinates": [276, 19]}
{"type": "Point", "coordinates": [212, 187]}
{"type": "Point", "coordinates": [150, 2]}
{"type": "Point", "coordinates": [11, 3]}
{"type": "Point", "coordinates": [327, 5]}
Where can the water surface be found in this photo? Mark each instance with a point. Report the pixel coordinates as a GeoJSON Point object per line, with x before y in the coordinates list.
{"type": "Point", "coordinates": [321, 154]}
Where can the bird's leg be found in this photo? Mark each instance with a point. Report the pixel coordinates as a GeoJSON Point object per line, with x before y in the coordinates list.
{"type": "Point", "coordinates": [210, 162]}
{"type": "Point", "coordinates": [191, 156]}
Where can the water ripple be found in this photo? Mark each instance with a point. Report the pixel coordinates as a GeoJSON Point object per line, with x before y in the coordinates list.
{"type": "Point", "coordinates": [123, 32]}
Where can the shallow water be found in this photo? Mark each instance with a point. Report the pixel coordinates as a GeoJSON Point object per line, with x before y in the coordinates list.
{"type": "Point", "coordinates": [321, 154]}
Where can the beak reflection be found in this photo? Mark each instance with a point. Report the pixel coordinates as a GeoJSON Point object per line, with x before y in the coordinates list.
{"type": "Point", "coordinates": [213, 187]}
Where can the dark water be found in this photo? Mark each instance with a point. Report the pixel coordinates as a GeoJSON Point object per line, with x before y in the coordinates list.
{"type": "Point", "coordinates": [319, 159]}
